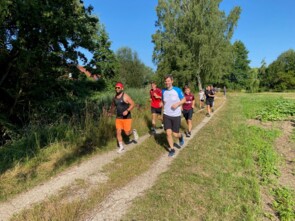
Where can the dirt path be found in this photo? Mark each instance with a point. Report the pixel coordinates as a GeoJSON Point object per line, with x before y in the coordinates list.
{"type": "Point", "coordinates": [118, 202]}
{"type": "Point", "coordinates": [39, 193]}
{"type": "Point", "coordinates": [115, 205]}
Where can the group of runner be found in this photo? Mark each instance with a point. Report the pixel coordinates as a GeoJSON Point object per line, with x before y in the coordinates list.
{"type": "Point", "coordinates": [172, 101]}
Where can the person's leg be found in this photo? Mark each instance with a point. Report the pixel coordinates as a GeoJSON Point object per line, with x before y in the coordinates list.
{"type": "Point", "coordinates": [189, 121]}
{"type": "Point", "coordinates": [208, 109]}
{"type": "Point", "coordinates": [175, 128]}
{"type": "Point", "coordinates": [128, 129]}
{"type": "Point", "coordinates": [119, 136]}
{"type": "Point", "coordinates": [168, 129]}
{"type": "Point", "coordinates": [185, 115]}
{"type": "Point", "coordinates": [119, 128]}
{"type": "Point", "coordinates": [154, 118]}
{"type": "Point", "coordinates": [159, 116]}
{"type": "Point", "coordinates": [190, 125]}
{"type": "Point", "coordinates": [169, 138]}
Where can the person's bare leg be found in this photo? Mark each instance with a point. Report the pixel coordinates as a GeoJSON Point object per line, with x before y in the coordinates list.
{"type": "Point", "coordinates": [169, 138]}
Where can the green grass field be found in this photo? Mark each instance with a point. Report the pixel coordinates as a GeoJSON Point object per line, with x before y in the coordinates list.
{"type": "Point", "coordinates": [219, 175]}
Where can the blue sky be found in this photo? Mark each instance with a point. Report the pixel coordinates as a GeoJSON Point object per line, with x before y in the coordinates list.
{"type": "Point", "coordinates": [266, 27]}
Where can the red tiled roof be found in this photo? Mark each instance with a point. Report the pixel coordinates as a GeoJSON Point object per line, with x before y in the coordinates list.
{"type": "Point", "coordinates": [88, 74]}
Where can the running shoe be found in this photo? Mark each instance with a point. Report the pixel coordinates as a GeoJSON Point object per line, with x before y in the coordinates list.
{"type": "Point", "coordinates": [171, 153]}
{"type": "Point", "coordinates": [121, 149]}
{"type": "Point", "coordinates": [153, 130]}
{"type": "Point", "coordinates": [181, 140]}
{"type": "Point", "coordinates": [188, 134]}
{"type": "Point", "coordinates": [135, 135]}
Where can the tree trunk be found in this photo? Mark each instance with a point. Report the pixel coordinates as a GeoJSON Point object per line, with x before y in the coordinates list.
{"type": "Point", "coordinates": [199, 81]}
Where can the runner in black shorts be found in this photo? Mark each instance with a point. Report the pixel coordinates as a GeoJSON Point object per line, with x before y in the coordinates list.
{"type": "Point", "coordinates": [156, 110]}
{"type": "Point", "coordinates": [209, 100]}
{"type": "Point", "coordinates": [173, 98]}
{"type": "Point", "coordinates": [188, 108]}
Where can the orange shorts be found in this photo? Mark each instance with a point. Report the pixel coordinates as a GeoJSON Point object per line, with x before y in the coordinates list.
{"type": "Point", "coordinates": [124, 124]}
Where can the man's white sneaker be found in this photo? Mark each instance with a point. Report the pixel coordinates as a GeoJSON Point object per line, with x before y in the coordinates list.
{"type": "Point", "coordinates": [135, 135]}
{"type": "Point", "coordinates": [121, 149]}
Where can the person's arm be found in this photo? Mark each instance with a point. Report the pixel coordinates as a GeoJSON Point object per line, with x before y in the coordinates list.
{"type": "Point", "coordinates": [128, 100]}
{"type": "Point", "coordinates": [158, 95]}
{"type": "Point", "coordinates": [193, 103]}
{"type": "Point", "coordinates": [179, 103]}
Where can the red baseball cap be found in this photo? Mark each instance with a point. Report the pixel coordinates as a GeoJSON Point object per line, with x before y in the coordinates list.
{"type": "Point", "coordinates": [119, 84]}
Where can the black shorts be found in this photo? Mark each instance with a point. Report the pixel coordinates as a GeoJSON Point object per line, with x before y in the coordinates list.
{"type": "Point", "coordinates": [209, 102]}
{"type": "Point", "coordinates": [156, 110]}
{"type": "Point", "coordinates": [172, 123]}
{"type": "Point", "coordinates": [188, 114]}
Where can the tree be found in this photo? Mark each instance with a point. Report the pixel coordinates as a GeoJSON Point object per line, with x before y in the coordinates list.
{"type": "Point", "coordinates": [38, 44]}
{"type": "Point", "coordinates": [104, 60]}
{"type": "Point", "coordinates": [131, 70]}
{"type": "Point", "coordinates": [193, 39]}
{"type": "Point", "coordinates": [239, 75]}
{"type": "Point", "coordinates": [280, 74]}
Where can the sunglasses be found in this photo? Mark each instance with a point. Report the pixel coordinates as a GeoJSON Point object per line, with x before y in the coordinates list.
{"type": "Point", "coordinates": [117, 87]}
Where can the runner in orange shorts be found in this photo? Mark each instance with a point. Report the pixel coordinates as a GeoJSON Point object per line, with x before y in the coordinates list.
{"type": "Point", "coordinates": [124, 104]}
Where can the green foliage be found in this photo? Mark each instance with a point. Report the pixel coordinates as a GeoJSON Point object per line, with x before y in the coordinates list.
{"type": "Point", "coordinates": [192, 40]}
{"type": "Point", "coordinates": [131, 71]}
{"type": "Point", "coordinates": [284, 203]}
{"type": "Point", "coordinates": [280, 74]}
{"type": "Point", "coordinates": [40, 44]}
{"type": "Point", "coordinates": [277, 109]}
{"type": "Point", "coordinates": [240, 76]}
{"type": "Point", "coordinates": [104, 62]}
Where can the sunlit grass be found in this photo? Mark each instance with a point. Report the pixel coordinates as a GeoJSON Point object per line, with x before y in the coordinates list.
{"type": "Point", "coordinates": [120, 172]}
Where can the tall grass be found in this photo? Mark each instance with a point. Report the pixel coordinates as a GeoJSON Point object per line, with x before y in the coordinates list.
{"type": "Point", "coordinates": [44, 150]}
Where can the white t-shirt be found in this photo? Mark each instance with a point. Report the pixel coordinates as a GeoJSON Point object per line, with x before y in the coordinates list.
{"type": "Point", "coordinates": [202, 95]}
{"type": "Point", "coordinates": [171, 97]}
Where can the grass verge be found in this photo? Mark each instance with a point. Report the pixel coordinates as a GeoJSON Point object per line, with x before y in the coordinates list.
{"type": "Point", "coordinates": [218, 175]}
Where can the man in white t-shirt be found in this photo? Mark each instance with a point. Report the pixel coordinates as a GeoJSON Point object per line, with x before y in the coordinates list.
{"type": "Point", "coordinates": [172, 98]}
{"type": "Point", "coordinates": [201, 98]}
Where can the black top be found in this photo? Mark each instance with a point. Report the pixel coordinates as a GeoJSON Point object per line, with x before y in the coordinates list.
{"type": "Point", "coordinates": [209, 92]}
{"type": "Point", "coordinates": [122, 106]}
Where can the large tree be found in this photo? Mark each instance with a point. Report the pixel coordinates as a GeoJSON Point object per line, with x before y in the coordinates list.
{"type": "Point", "coordinates": [131, 71]}
{"type": "Point", "coordinates": [104, 62]}
{"type": "Point", "coordinates": [193, 39]}
{"type": "Point", "coordinates": [39, 42]}
{"type": "Point", "coordinates": [280, 74]}
{"type": "Point", "coordinates": [239, 75]}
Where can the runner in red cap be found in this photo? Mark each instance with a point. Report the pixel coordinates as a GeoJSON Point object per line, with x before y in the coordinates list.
{"type": "Point", "coordinates": [124, 104]}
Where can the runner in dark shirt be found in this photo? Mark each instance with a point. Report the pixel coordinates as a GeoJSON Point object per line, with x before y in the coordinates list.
{"type": "Point", "coordinates": [124, 104]}
{"type": "Point", "coordinates": [209, 100]}
{"type": "Point", "coordinates": [188, 108]}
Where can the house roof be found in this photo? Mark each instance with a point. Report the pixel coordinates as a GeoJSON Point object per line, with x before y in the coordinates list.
{"type": "Point", "coordinates": [87, 73]}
